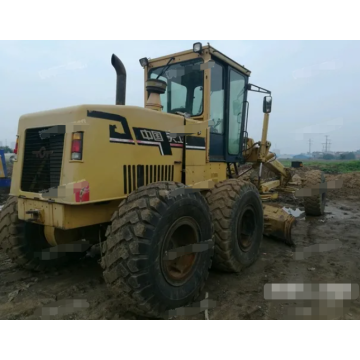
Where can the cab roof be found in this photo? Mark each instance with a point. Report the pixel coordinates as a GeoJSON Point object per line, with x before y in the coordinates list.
{"type": "Point", "coordinates": [215, 53]}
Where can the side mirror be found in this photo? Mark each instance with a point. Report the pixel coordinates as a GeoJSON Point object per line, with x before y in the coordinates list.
{"type": "Point", "coordinates": [267, 104]}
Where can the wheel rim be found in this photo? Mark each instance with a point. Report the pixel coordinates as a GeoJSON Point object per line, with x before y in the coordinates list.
{"type": "Point", "coordinates": [246, 227]}
{"type": "Point", "coordinates": [184, 231]}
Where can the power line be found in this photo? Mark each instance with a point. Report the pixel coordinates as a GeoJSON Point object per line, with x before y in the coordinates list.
{"type": "Point", "coordinates": [326, 145]}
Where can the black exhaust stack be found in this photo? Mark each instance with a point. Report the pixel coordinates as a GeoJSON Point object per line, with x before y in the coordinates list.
{"type": "Point", "coordinates": [120, 79]}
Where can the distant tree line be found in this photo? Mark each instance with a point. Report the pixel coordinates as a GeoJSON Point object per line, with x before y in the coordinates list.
{"type": "Point", "coordinates": [345, 156]}
{"type": "Point", "coordinates": [6, 149]}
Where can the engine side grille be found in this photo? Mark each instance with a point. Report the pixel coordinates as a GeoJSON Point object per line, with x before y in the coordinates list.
{"type": "Point", "coordinates": [140, 175]}
{"type": "Point", "coordinates": [42, 161]}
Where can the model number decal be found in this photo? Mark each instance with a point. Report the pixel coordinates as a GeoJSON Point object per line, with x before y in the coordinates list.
{"type": "Point", "coordinates": [151, 137]}
{"type": "Point", "coordinates": [147, 137]}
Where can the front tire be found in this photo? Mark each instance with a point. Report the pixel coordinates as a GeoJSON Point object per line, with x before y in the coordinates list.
{"type": "Point", "coordinates": [314, 205]}
{"type": "Point", "coordinates": [238, 217]}
{"type": "Point", "coordinates": [149, 223]}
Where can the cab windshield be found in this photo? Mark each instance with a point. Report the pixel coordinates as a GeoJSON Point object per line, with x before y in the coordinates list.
{"type": "Point", "coordinates": [184, 91]}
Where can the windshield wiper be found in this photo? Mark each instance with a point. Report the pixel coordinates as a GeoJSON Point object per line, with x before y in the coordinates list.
{"type": "Point", "coordinates": [166, 67]}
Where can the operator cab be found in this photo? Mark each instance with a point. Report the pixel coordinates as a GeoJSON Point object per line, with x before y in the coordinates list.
{"type": "Point", "coordinates": [206, 85]}
{"type": "Point", "coordinates": [228, 97]}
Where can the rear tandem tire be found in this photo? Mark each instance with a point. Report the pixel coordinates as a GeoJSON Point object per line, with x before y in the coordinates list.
{"type": "Point", "coordinates": [314, 205]}
{"type": "Point", "coordinates": [238, 217]}
{"type": "Point", "coordinates": [24, 242]}
{"type": "Point", "coordinates": [140, 234]}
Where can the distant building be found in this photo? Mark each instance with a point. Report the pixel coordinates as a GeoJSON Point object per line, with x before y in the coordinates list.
{"type": "Point", "coordinates": [317, 154]}
{"type": "Point", "coordinates": [12, 145]}
{"type": "Point", "coordinates": [1, 144]}
{"type": "Point", "coordinates": [276, 151]}
{"type": "Point", "coordinates": [285, 156]}
{"type": "Point", "coordinates": [302, 156]}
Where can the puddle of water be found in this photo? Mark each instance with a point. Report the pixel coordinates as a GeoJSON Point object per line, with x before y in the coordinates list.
{"type": "Point", "coordinates": [335, 212]}
{"type": "Point", "coordinates": [294, 212]}
{"type": "Point", "coordinates": [331, 212]}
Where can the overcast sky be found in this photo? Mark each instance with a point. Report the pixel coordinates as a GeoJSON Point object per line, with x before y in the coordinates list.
{"type": "Point", "coordinates": [315, 85]}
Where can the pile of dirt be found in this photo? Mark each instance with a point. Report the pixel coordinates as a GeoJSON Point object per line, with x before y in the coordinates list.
{"type": "Point", "coordinates": [350, 185]}
{"type": "Point", "coordinates": [350, 182]}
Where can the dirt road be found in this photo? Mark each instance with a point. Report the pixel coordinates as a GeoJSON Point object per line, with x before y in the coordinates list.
{"type": "Point", "coordinates": [25, 295]}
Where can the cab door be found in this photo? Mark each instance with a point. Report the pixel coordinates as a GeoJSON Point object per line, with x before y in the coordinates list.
{"type": "Point", "coordinates": [217, 112]}
{"type": "Point", "coordinates": [228, 97]}
{"type": "Point", "coordinates": [236, 100]}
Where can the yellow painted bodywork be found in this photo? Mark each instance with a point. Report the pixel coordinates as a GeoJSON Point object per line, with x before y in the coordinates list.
{"type": "Point", "coordinates": [267, 186]}
{"type": "Point", "coordinates": [64, 216]}
{"type": "Point", "coordinates": [102, 166]}
{"type": "Point", "coordinates": [103, 161]}
{"type": "Point", "coordinates": [278, 223]}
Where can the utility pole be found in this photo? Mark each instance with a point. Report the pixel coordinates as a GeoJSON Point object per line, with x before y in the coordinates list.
{"type": "Point", "coordinates": [326, 147]}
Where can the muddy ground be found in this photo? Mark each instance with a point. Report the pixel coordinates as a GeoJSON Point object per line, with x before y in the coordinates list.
{"type": "Point", "coordinates": [25, 295]}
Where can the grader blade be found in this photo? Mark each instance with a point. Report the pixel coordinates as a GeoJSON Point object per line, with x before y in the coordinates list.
{"type": "Point", "coordinates": [278, 223]}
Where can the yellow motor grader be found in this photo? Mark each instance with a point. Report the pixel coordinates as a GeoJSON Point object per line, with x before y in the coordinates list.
{"type": "Point", "coordinates": [158, 186]}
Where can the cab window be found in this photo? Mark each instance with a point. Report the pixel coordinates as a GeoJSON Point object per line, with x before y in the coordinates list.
{"type": "Point", "coordinates": [184, 91]}
{"type": "Point", "coordinates": [236, 108]}
{"type": "Point", "coordinates": [217, 99]}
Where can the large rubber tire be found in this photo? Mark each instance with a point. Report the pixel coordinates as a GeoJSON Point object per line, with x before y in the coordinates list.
{"type": "Point", "coordinates": [314, 205]}
{"type": "Point", "coordinates": [236, 208]}
{"type": "Point", "coordinates": [23, 242]}
{"type": "Point", "coordinates": [133, 251]}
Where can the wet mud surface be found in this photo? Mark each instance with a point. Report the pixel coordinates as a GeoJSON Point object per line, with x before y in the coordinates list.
{"type": "Point", "coordinates": [79, 292]}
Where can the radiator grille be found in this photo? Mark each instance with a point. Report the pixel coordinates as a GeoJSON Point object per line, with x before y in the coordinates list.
{"type": "Point", "coordinates": [136, 176]}
{"type": "Point", "coordinates": [42, 161]}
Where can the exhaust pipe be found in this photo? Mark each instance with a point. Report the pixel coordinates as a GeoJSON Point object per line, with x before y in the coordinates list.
{"type": "Point", "coordinates": [120, 79]}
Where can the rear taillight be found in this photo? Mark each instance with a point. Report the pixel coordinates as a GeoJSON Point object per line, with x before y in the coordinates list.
{"type": "Point", "coordinates": [16, 145]}
{"type": "Point", "coordinates": [77, 146]}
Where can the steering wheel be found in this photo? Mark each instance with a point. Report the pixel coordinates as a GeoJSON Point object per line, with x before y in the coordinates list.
{"type": "Point", "coordinates": [181, 109]}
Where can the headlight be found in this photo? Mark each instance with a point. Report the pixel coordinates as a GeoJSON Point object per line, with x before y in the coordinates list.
{"type": "Point", "coordinates": [197, 48]}
{"type": "Point", "coordinates": [144, 62]}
